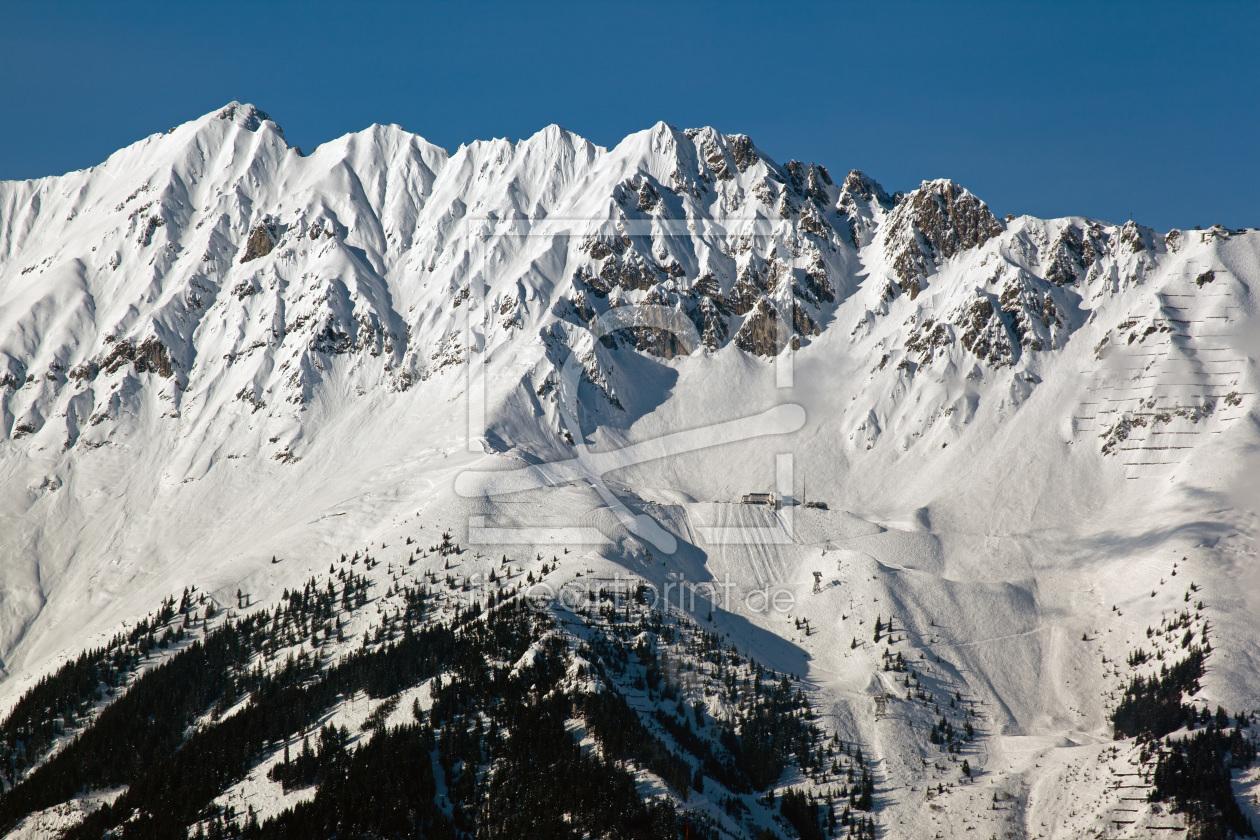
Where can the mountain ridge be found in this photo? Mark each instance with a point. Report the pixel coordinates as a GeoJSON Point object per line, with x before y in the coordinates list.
{"type": "Point", "coordinates": [216, 351]}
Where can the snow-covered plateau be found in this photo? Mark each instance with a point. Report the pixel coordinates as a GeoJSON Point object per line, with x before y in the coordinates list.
{"type": "Point", "coordinates": [324, 409]}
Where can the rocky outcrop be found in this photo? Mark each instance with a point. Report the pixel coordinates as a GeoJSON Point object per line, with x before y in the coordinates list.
{"type": "Point", "coordinates": [1066, 257]}
{"type": "Point", "coordinates": [749, 288]}
{"type": "Point", "coordinates": [748, 280]}
{"type": "Point", "coordinates": [662, 326]}
{"type": "Point", "coordinates": [1135, 239]}
{"type": "Point", "coordinates": [710, 317]}
{"type": "Point", "coordinates": [802, 323]}
{"type": "Point", "coordinates": [935, 222]}
{"type": "Point", "coordinates": [1015, 311]}
{"type": "Point", "coordinates": [246, 116]}
{"type": "Point", "coordinates": [743, 151]}
{"type": "Point", "coordinates": [818, 285]}
{"type": "Point", "coordinates": [649, 198]}
{"type": "Point", "coordinates": [860, 186]}
{"type": "Point", "coordinates": [714, 157]}
{"type": "Point", "coordinates": [763, 331]}
{"type": "Point", "coordinates": [862, 200]}
{"type": "Point", "coordinates": [630, 272]}
{"type": "Point", "coordinates": [262, 240]}
{"type": "Point", "coordinates": [150, 356]}
{"type": "Point", "coordinates": [985, 334]}
{"type": "Point", "coordinates": [150, 227]}
{"type": "Point", "coordinates": [809, 180]}
{"type": "Point", "coordinates": [332, 339]}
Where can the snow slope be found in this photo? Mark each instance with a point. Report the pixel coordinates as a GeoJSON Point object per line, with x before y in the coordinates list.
{"type": "Point", "coordinates": [216, 350]}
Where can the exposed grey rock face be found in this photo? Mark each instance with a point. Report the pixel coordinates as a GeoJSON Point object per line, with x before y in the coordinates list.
{"type": "Point", "coordinates": [1015, 311]}
{"type": "Point", "coordinates": [247, 116]}
{"type": "Point", "coordinates": [1067, 257]}
{"type": "Point", "coordinates": [862, 202]}
{"type": "Point", "coordinates": [933, 223]}
{"type": "Point", "coordinates": [795, 267]}
{"type": "Point", "coordinates": [762, 332]}
{"type": "Point", "coordinates": [261, 241]}
{"type": "Point", "coordinates": [744, 152]}
{"type": "Point", "coordinates": [859, 185]}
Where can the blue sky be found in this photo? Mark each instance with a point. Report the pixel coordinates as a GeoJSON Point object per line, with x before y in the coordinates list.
{"type": "Point", "coordinates": [1097, 109]}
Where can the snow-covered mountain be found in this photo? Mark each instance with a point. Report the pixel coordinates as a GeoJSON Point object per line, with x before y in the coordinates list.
{"type": "Point", "coordinates": [225, 362]}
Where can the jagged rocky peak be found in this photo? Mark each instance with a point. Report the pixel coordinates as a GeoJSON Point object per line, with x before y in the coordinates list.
{"type": "Point", "coordinates": [864, 203]}
{"type": "Point", "coordinates": [262, 240]}
{"type": "Point", "coordinates": [1078, 246]}
{"type": "Point", "coordinates": [743, 150]}
{"type": "Point", "coordinates": [1135, 238]}
{"type": "Point", "coordinates": [812, 180]}
{"type": "Point", "coordinates": [724, 154]}
{"type": "Point", "coordinates": [931, 224]}
{"type": "Point", "coordinates": [858, 185]}
{"type": "Point", "coordinates": [760, 290]}
{"type": "Point", "coordinates": [247, 116]}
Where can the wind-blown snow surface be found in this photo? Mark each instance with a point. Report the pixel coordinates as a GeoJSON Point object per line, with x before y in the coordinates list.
{"type": "Point", "coordinates": [215, 349]}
